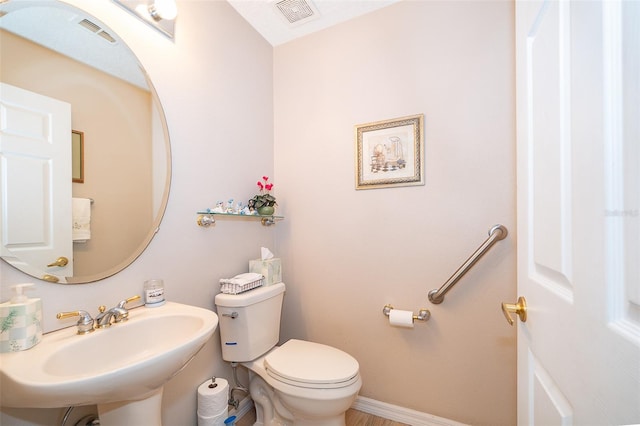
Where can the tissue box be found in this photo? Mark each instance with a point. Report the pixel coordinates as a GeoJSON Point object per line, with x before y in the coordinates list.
{"type": "Point", "coordinates": [20, 326]}
{"type": "Point", "coordinates": [271, 269]}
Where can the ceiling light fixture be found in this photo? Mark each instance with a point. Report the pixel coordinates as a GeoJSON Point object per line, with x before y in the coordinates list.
{"type": "Point", "coordinates": [159, 14]}
{"type": "Point", "coordinates": [163, 9]}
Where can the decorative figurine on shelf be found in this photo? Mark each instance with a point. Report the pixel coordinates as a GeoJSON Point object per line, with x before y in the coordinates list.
{"type": "Point", "coordinates": [251, 206]}
{"type": "Point", "coordinates": [264, 202]}
{"type": "Point", "coordinates": [229, 208]}
{"type": "Point", "coordinates": [219, 208]}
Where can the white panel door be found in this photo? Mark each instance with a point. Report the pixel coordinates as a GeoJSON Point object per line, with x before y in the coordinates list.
{"type": "Point", "coordinates": [578, 92]}
{"type": "Point", "coordinates": [35, 182]}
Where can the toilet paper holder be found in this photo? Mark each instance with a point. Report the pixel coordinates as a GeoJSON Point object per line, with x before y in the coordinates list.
{"type": "Point", "coordinates": [423, 314]}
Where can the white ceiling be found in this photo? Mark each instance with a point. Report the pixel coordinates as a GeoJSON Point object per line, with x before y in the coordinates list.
{"type": "Point", "coordinates": [58, 27]}
{"type": "Point", "coordinates": [264, 16]}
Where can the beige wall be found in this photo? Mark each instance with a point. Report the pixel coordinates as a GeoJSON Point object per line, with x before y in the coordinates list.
{"type": "Point", "coordinates": [347, 253]}
{"type": "Point", "coordinates": [115, 117]}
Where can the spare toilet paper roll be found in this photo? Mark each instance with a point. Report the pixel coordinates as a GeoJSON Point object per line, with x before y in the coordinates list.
{"type": "Point", "coordinates": [216, 420]}
{"type": "Point", "coordinates": [400, 318]}
{"type": "Point", "coordinates": [212, 400]}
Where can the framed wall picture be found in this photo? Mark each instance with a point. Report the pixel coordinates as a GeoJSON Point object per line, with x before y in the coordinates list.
{"type": "Point", "coordinates": [390, 153]}
{"type": "Point", "coordinates": [77, 156]}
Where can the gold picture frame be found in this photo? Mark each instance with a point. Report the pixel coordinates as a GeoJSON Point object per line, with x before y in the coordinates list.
{"type": "Point", "coordinates": [77, 156]}
{"type": "Point", "coordinates": [390, 153]}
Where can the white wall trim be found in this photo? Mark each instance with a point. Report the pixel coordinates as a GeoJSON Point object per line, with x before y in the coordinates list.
{"type": "Point", "coordinates": [400, 414]}
{"type": "Point", "coordinates": [246, 404]}
{"type": "Point", "coordinates": [377, 408]}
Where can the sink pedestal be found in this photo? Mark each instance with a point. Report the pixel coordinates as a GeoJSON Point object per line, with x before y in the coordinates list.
{"type": "Point", "coordinates": [146, 411]}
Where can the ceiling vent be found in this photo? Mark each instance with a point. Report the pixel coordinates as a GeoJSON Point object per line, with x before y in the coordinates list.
{"type": "Point", "coordinates": [297, 12]}
{"type": "Point", "coordinates": [95, 28]}
{"type": "Point", "coordinates": [105, 35]}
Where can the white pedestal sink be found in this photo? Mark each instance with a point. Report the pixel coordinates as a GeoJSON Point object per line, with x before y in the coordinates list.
{"type": "Point", "coordinates": [122, 368]}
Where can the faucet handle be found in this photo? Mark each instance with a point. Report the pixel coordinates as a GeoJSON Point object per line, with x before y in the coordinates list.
{"type": "Point", "coordinates": [85, 323]}
{"type": "Point", "coordinates": [123, 314]}
{"type": "Point", "coordinates": [131, 299]}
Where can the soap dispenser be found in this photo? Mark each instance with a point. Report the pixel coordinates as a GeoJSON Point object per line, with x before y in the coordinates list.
{"type": "Point", "coordinates": [20, 321]}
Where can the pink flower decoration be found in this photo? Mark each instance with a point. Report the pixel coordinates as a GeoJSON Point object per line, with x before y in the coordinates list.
{"type": "Point", "coordinates": [264, 198]}
{"type": "Point", "coordinates": [265, 186]}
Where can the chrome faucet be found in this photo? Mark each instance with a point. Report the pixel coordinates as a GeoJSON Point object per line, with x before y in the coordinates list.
{"type": "Point", "coordinates": [116, 314]}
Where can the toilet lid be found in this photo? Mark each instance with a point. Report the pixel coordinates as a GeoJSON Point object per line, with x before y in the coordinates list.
{"type": "Point", "coordinates": [303, 363]}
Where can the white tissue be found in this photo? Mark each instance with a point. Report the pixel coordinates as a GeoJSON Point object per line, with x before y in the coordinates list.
{"type": "Point", "coordinates": [215, 420]}
{"type": "Point", "coordinates": [242, 279]}
{"type": "Point", "coordinates": [212, 402]}
{"type": "Point", "coordinates": [265, 253]}
{"type": "Point", "coordinates": [400, 318]}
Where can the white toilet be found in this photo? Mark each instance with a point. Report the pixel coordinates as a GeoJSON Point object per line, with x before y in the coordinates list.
{"type": "Point", "coordinates": [298, 383]}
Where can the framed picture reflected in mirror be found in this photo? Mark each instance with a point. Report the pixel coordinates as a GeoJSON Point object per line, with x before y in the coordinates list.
{"type": "Point", "coordinates": [77, 156]}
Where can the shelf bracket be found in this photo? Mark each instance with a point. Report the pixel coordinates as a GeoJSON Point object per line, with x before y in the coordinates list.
{"type": "Point", "coordinates": [206, 220]}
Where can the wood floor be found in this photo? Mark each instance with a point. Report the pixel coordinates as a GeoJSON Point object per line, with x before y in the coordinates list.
{"type": "Point", "coordinates": [358, 418]}
{"type": "Point", "coordinates": [354, 418]}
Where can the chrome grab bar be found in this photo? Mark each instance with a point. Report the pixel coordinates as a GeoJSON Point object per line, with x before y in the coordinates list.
{"type": "Point", "coordinates": [496, 233]}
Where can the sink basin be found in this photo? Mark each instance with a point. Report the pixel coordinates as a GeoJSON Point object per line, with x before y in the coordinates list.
{"type": "Point", "coordinates": [129, 361]}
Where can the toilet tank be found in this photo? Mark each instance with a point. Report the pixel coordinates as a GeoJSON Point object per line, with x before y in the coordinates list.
{"type": "Point", "coordinates": [249, 322]}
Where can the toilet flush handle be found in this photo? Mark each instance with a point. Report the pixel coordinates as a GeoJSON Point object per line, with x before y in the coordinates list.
{"type": "Point", "coordinates": [232, 315]}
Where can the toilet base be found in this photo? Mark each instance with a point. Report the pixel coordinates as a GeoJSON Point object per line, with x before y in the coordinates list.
{"type": "Point", "coordinates": [274, 408]}
{"type": "Point", "coordinates": [269, 410]}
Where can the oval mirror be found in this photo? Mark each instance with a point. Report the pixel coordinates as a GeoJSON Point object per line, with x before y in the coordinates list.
{"type": "Point", "coordinates": [112, 150]}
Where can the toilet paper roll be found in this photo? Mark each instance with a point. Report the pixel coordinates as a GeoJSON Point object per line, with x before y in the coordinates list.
{"type": "Point", "coordinates": [400, 318]}
{"type": "Point", "coordinates": [213, 400]}
{"type": "Point", "coordinates": [216, 420]}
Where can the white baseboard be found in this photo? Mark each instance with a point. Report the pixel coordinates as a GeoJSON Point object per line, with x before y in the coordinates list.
{"type": "Point", "coordinates": [246, 404]}
{"type": "Point", "coordinates": [377, 408]}
{"type": "Point", "coordinates": [400, 414]}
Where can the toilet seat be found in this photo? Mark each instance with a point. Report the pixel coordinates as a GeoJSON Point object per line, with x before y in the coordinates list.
{"type": "Point", "coordinates": [311, 365]}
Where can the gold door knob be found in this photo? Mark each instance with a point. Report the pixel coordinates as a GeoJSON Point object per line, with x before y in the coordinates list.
{"type": "Point", "coordinates": [61, 261]}
{"type": "Point", "coordinates": [520, 309]}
